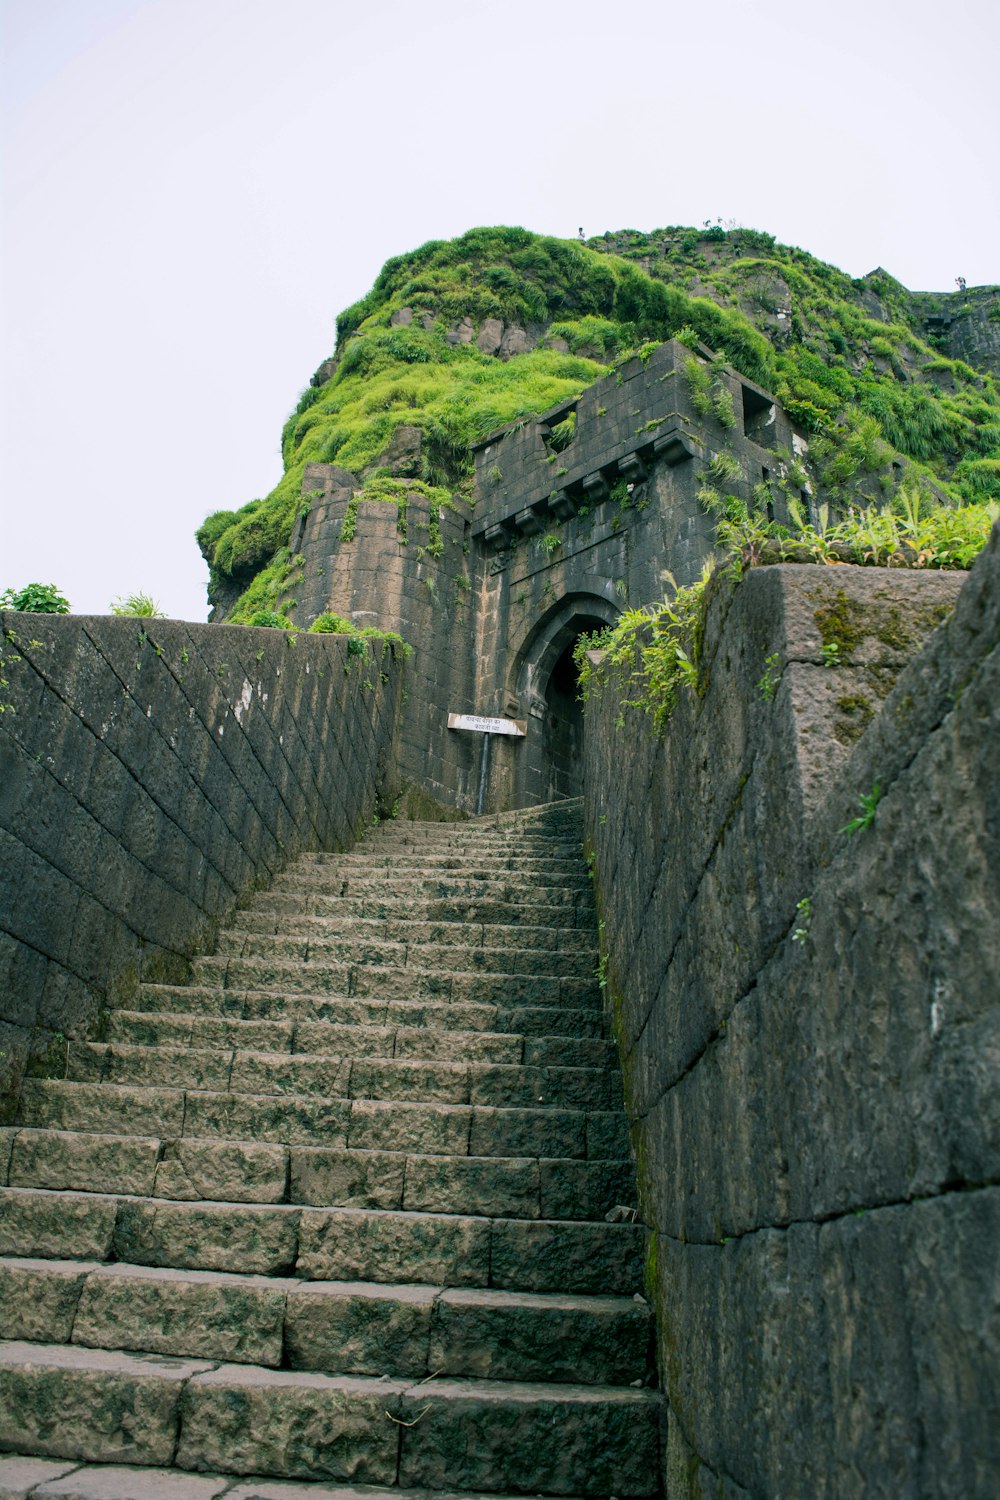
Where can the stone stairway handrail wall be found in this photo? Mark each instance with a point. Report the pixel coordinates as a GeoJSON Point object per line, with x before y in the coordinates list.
{"type": "Point", "coordinates": [807, 1016]}
{"type": "Point", "coordinates": [153, 773]}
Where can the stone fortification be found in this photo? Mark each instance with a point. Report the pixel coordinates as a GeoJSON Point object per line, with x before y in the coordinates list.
{"type": "Point", "coordinates": [577, 515]}
{"type": "Point", "coordinates": [807, 1019]}
{"type": "Point", "coordinates": [154, 773]}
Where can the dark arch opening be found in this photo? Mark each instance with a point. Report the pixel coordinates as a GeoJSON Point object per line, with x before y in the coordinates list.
{"type": "Point", "coordinates": [542, 680]}
{"type": "Point", "coordinates": [562, 735]}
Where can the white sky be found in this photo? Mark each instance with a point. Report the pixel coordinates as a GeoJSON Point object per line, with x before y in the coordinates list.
{"type": "Point", "coordinates": [193, 189]}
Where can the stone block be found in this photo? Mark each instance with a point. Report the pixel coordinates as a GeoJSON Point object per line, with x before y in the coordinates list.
{"type": "Point", "coordinates": [347, 1179]}
{"type": "Point", "coordinates": [230, 1171]}
{"type": "Point", "coordinates": [473, 1435]}
{"type": "Point", "coordinates": [38, 1298]}
{"type": "Point", "coordinates": [265, 1073]}
{"type": "Point", "coordinates": [210, 1236]}
{"type": "Point", "coordinates": [496, 1335]}
{"type": "Point", "coordinates": [432, 1249]}
{"type": "Point", "coordinates": [359, 1328]}
{"type": "Point", "coordinates": [291, 1424]}
{"type": "Point", "coordinates": [19, 1476]}
{"type": "Point", "coordinates": [53, 1225]}
{"type": "Point", "coordinates": [584, 1189]}
{"type": "Point", "coordinates": [91, 1404]}
{"type": "Point", "coordinates": [503, 1187]}
{"type": "Point", "coordinates": [52, 1104]}
{"type": "Point", "coordinates": [196, 1313]}
{"type": "Point", "coordinates": [125, 1482]}
{"type": "Point", "coordinates": [526, 1132]}
{"type": "Point", "coordinates": [263, 1118]}
{"type": "Point", "coordinates": [561, 1256]}
{"type": "Point", "coordinates": [93, 1163]}
{"type": "Point", "coordinates": [381, 1125]}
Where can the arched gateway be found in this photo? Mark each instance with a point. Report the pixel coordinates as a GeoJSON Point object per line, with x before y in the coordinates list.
{"type": "Point", "coordinates": [544, 681]}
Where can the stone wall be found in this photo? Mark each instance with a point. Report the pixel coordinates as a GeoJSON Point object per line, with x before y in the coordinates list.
{"type": "Point", "coordinates": [153, 774]}
{"type": "Point", "coordinates": [809, 1029]}
{"type": "Point", "coordinates": [964, 325]}
{"type": "Point", "coordinates": [407, 570]}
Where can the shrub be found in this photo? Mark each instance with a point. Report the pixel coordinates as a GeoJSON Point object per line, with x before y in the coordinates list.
{"type": "Point", "coordinates": [269, 619]}
{"type": "Point", "coordinates": [331, 624]}
{"type": "Point", "coordinates": [35, 598]}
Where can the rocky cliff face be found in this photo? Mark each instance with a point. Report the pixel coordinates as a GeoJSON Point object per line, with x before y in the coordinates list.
{"type": "Point", "coordinates": [463, 337]}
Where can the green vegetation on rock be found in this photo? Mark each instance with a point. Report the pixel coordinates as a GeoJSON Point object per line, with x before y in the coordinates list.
{"type": "Point", "coordinates": [848, 359]}
{"type": "Point", "coordinates": [657, 649]}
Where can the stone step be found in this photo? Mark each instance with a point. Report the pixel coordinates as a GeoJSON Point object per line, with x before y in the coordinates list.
{"type": "Point", "coordinates": [393, 830]}
{"type": "Point", "coordinates": [360, 1124]}
{"type": "Point", "coordinates": [172, 1029]}
{"type": "Point", "coordinates": [487, 864]}
{"type": "Point", "coordinates": [390, 879]}
{"type": "Point", "coordinates": [193, 1168]}
{"type": "Point", "coordinates": [496, 936]}
{"type": "Point", "coordinates": [26, 1478]}
{"type": "Point", "coordinates": [113, 1406]}
{"type": "Point", "coordinates": [366, 1010]}
{"type": "Point", "coordinates": [353, 1328]}
{"type": "Point", "coordinates": [324, 948]}
{"type": "Point", "coordinates": [326, 1244]}
{"type": "Point", "coordinates": [412, 983]}
{"type": "Point", "coordinates": [574, 911]}
{"type": "Point", "coordinates": [310, 1076]}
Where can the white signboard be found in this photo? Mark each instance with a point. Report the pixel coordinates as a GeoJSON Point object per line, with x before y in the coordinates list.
{"type": "Point", "coordinates": [483, 725]}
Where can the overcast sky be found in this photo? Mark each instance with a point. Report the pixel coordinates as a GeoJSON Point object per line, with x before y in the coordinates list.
{"type": "Point", "coordinates": [194, 188]}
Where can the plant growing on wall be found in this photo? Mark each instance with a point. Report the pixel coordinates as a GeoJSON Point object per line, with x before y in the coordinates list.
{"type": "Point", "coordinates": [142, 605]}
{"type": "Point", "coordinates": [35, 598]}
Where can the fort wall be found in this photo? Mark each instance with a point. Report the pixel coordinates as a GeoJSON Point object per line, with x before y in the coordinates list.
{"type": "Point", "coordinates": [154, 774]}
{"type": "Point", "coordinates": [808, 1022]}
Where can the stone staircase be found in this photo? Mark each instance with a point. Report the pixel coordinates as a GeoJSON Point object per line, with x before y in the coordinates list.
{"type": "Point", "coordinates": [335, 1214]}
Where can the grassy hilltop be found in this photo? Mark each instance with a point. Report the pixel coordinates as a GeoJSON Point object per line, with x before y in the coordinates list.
{"type": "Point", "coordinates": [849, 359]}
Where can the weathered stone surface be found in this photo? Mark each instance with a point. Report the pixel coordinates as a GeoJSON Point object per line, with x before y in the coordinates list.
{"type": "Point", "coordinates": [443, 1083]}
{"type": "Point", "coordinates": [91, 1404]}
{"type": "Point", "coordinates": [7, 1134]}
{"type": "Point", "coordinates": [104, 1108]}
{"type": "Point", "coordinates": [19, 1476]}
{"type": "Point", "coordinates": [495, 1335]}
{"type": "Point", "coordinates": [584, 1189]}
{"type": "Point", "coordinates": [494, 1186]}
{"type": "Point", "coordinates": [96, 1163]}
{"type": "Point", "coordinates": [33, 1222]}
{"type": "Point", "coordinates": [343, 1041]}
{"type": "Point", "coordinates": [377, 1125]}
{"type": "Point", "coordinates": [197, 1313]}
{"type": "Point", "coordinates": [557, 1257]}
{"type": "Point", "coordinates": [347, 1179]}
{"type": "Point", "coordinates": [232, 1171]}
{"type": "Point", "coordinates": [350, 1245]}
{"type": "Point", "coordinates": [260, 1117]}
{"type": "Point", "coordinates": [166, 776]}
{"type": "Point", "coordinates": [814, 1114]}
{"type": "Point", "coordinates": [359, 1328]}
{"type": "Point", "coordinates": [125, 1482]}
{"type": "Point", "coordinates": [210, 1237]}
{"type": "Point", "coordinates": [526, 1132]}
{"type": "Point", "coordinates": [490, 335]}
{"type": "Point", "coordinates": [502, 1433]}
{"type": "Point", "coordinates": [38, 1298]}
{"type": "Point", "coordinates": [293, 1424]}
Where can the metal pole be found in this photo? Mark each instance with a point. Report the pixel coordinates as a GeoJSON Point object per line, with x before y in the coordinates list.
{"type": "Point", "coordinates": [483, 771]}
